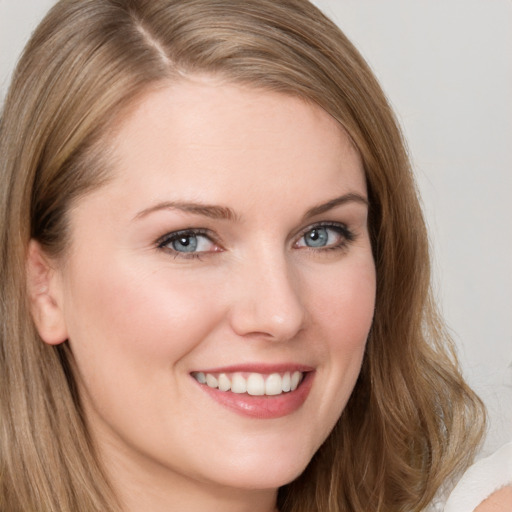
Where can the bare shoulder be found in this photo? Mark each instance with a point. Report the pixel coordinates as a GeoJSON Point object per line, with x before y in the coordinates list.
{"type": "Point", "coordinates": [500, 501]}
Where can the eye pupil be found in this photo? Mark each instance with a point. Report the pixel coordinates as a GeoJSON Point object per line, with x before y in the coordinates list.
{"type": "Point", "coordinates": [317, 237]}
{"type": "Point", "coordinates": [185, 244]}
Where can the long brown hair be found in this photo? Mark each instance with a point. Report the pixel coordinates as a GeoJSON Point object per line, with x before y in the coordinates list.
{"type": "Point", "coordinates": [411, 421]}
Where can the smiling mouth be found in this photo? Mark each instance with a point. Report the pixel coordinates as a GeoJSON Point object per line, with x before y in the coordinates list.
{"type": "Point", "coordinates": [251, 383]}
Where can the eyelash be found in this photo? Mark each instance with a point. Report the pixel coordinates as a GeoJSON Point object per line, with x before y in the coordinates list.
{"type": "Point", "coordinates": [347, 236]}
{"type": "Point", "coordinates": [163, 243]}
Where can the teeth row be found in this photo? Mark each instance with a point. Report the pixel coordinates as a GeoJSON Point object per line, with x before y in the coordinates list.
{"type": "Point", "coordinates": [254, 384]}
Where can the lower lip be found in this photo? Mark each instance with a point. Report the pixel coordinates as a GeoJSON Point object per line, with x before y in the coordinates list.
{"type": "Point", "coordinates": [263, 407]}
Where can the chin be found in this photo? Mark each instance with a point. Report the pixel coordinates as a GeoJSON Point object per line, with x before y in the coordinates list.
{"type": "Point", "coordinates": [269, 478]}
{"type": "Point", "coordinates": [261, 471]}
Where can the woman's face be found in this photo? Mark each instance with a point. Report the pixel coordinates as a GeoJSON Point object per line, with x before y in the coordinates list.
{"type": "Point", "coordinates": [231, 246]}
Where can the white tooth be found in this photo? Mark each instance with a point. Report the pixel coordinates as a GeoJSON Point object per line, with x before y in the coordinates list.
{"type": "Point", "coordinates": [224, 382]}
{"type": "Point", "coordinates": [255, 384]}
{"type": "Point", "coordinates": [287, 382]}
{"type": "Point", "coordinates": [273, 384]}
{"type": "Point", "coordinates": [296, 377]}
{"type": "Point", "coordinates": [238, 384]}
{"type": "Point", "coordinates": [211, 381]}
{"type": "Point", "coordinates": [200, 377]}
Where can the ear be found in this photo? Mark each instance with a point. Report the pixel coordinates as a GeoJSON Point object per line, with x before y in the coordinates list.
{"type": "Point", "coordinates": [45, 295]}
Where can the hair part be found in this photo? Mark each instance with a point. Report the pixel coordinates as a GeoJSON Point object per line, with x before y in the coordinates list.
{"type": "Point", "coordinates": [411, 421]}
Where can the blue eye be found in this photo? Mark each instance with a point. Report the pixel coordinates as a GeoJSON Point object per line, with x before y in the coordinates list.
{"type": "Point", "coordinates": [188, 242]}
{"type": "Point", "coordinates": [317, 237]}
{"type": "Point", "coordinates": [330, 236]}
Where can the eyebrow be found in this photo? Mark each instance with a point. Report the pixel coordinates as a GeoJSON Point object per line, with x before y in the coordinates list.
{"type": "Point", "coordinates": [224, 213]}
{"type": "Point", "coordinates": [333, 203]}
{"type": "Point", "coordinates": [211, 211]}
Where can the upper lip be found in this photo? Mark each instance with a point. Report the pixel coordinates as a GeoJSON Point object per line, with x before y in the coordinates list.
{"type": "Point", "coordinates": [263, 368]}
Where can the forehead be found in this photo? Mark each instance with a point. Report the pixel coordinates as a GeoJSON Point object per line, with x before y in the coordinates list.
{"type": "Point", "coordinates": [215, 127]}
{"type": "Point", "coordinates": [203, 141]}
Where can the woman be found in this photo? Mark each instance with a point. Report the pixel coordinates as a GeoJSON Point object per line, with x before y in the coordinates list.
{"type": "Point", "coordinates": [215, 272]}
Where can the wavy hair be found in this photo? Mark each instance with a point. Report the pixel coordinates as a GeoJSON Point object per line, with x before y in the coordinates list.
{"type": "Point", "coordinates": [411, 421]}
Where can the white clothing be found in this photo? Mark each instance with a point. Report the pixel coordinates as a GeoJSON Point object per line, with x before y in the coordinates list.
{"type": "Point", "coordinates": [481, 480]}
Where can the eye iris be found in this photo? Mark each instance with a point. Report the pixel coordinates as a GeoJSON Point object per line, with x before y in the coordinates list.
{"type": "Point", "coordinates": [187, 243]}
{"type": "Point", "coordinates": [317, 237]}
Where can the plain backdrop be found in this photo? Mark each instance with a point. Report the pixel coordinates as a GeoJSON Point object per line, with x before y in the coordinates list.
{"type": "Point", "coordinates": [447, 70]}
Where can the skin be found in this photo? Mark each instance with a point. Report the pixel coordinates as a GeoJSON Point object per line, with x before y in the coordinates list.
{"type": "Point", "coordinates": [140, 318]}
{"type": "Point", "coordinates": [500, 501]}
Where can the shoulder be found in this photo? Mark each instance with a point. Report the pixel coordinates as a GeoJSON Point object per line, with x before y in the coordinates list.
{"type": "Point", "coordinates": [486, 486]}
{"type": "Point", "coordinates": [499, 501]}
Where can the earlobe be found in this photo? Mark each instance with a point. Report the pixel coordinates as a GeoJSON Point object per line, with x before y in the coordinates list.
{"type": "Point", "coordinates": [44, 292]}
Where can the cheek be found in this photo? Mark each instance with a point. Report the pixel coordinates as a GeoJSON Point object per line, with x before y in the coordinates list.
{"type": "Point", "coordinates": [342, 311]}
{"type": "Point", "coordinates": [343, 314]}
{"type": "Point", "coordinates": [344, 306]}
{"type": "Point", "coordinates": [122, 315]}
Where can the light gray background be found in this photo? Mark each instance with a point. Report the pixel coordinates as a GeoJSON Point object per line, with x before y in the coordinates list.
{"type": "Point", "coordinates": [447, 69]}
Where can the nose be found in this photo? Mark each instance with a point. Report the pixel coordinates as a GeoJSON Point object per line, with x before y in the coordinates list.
{"type": "Point", "coordinates": [267, 302]}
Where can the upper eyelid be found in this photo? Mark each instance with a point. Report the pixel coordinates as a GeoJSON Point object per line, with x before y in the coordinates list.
{"type": "Point", "coordinates": [325, 224]}
{"type": "Point", "coordinates": [165, 239]}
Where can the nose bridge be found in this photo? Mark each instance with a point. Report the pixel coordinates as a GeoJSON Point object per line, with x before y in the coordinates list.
{"type": "Point", "coordinates": [268, 300]}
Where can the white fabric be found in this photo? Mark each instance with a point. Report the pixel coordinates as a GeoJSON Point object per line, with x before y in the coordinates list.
{"type": "Point", "coordinates": [481, 480]}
